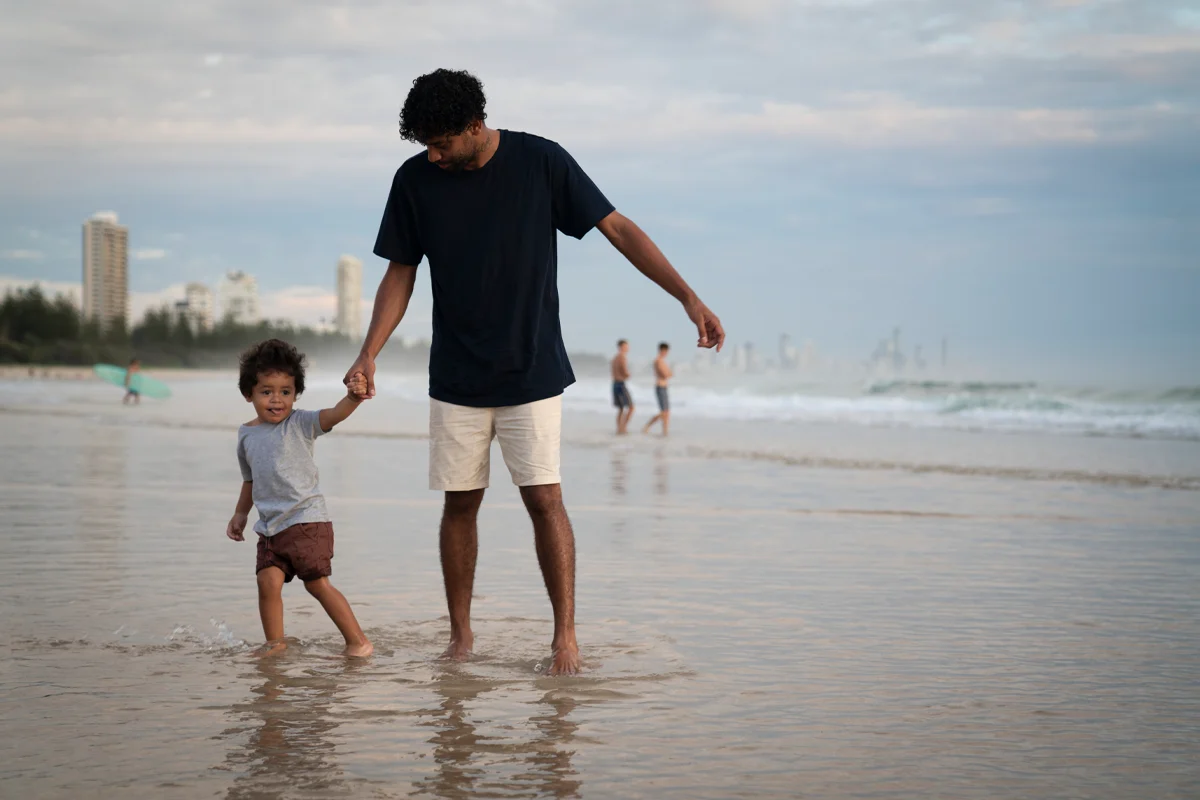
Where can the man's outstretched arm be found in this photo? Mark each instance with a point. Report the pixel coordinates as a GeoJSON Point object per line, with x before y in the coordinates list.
{"type": "Point", "coordinates": [391, 302]}
{"type": "Point", "coordinates": [643, 253]}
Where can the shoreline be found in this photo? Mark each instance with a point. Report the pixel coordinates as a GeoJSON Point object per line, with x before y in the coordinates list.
{"type": "Point", "coordinates": [61, 372]}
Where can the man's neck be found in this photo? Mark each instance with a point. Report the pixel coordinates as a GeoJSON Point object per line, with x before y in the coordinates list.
{"type": "Point", "coordinates": [490, 146]}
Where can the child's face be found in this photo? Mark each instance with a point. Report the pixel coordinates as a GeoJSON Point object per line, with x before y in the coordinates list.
{"type": "Point", "coordinates": [273, 396]}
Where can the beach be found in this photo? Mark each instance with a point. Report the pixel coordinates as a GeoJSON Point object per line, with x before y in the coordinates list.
{"type": "Point", "coordinates": [864, 599]}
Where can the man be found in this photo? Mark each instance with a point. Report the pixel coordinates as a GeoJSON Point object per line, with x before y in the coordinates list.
{"type": "Point", "coordinates": [621, 397]}
{"type": "Point", "coordinates": [662, 375]}
{"type": "Point", "coordinates": [484, 206]}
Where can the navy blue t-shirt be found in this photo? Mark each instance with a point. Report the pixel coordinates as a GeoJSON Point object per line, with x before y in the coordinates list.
{"type": "Point", "coordinates": [490, 237]}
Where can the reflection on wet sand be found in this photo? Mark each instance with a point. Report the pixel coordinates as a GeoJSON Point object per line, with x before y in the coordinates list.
{"type": "Point", "coordinates": [470, 763]}
{"type": "Point", "coordinates": [289, 749]}
{"type": "Point", "coordinates": [619, 478]}
{"type": "Point", "coordinates": [662, 473]}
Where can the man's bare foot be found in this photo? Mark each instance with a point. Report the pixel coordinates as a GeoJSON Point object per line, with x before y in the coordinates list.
{"type": "Point", "coordinates": [271, 649]}
{"type": "Point", "coordinates": [359, 650]}
{"type": "Point", "coordinates": [459, 649]}
{"type": "Point", "coordinates": [566, 661]}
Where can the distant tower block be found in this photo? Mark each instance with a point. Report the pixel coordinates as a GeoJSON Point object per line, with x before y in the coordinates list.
{"type": "Point", "coordinates": [197, 306]}
{"type": "Point", "coordinates": [239, 298]}
{"type": "Point", "coordinates": [945, 352]}
{"type": "Point", "coordinates": [349, 297]}
{"type": "Point", "coordinates": [105, 270]}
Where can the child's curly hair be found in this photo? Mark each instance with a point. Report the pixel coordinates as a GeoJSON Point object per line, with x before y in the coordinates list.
{"type": "Point", "coordinates": [273, 355]}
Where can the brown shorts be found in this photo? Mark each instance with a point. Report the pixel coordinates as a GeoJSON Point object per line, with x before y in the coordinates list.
{"type": "Point", "coordinates": [303, 551]}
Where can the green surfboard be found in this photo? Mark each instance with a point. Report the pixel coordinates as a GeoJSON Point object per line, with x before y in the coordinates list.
{"type": "Point", "coordinates": [141, 383]}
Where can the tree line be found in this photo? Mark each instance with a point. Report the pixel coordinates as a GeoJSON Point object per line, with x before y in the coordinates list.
{"type": "Point", "coordinates": [37, 329]}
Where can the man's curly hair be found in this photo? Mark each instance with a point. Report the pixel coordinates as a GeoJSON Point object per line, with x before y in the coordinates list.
{"type": "Point", "coordinates": [272, 355]}
{"type": "Point", "coordinates": [442, 103]}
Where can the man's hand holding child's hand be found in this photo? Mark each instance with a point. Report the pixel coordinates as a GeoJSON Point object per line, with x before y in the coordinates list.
{"type": "Point", "coordinates": [235, 527]}
{"type": "Point", "coordinates": [356, 387]}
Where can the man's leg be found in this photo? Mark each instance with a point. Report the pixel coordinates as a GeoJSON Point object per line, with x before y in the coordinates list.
{"type": "Point", "coordinates": [555, 543]}
{"type": "Point", "coordinates": [530, 438]}
{"type": "Point", "coordinates": [460, 441]}
{"type": "Point", "coordinates": [626, 415]}
{"type": "Point", "coordinates": [458, 541]}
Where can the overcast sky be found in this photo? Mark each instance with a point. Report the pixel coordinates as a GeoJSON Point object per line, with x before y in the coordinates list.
{"type": "Point", "coordinates": [1022, 177]}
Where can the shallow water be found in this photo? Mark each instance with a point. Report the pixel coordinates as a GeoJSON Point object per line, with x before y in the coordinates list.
{"type": "Point", "coordinates": [751, 628]}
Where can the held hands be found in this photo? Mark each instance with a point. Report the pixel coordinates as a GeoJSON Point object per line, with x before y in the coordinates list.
{"type": "Point", "coordinates": [356, 387]}
{"type": "Point", "coordinates": [706, 322]}
{"type": "Point", "coordinates": [237, 524]}
{"type": "Point", "coordinates": [364, 369]}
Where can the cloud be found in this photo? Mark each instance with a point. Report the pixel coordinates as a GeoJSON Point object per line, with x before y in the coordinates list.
{"type": "Point", "coordinates": [23, 255]}
{"type": "Point", "coordinates": [316, 307]}
{"type": "Point", "coordinates": [110, 80]}
{"type": "Point", "coordinates": [149, 254]}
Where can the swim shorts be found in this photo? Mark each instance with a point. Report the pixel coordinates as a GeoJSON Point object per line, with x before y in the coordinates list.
{"type": "Point", "coordinates": [304, 550]}
{"type": "Point", "coordinates": [621, 396]}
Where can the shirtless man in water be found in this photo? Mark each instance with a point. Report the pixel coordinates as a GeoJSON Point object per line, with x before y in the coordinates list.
{"type": "Point", "coordinates": [621, 397]}
{"type": "Point", "coordinates": [662, 375]}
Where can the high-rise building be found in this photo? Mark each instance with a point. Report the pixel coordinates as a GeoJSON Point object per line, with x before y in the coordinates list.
{"type": "Point", "coordinates": [349, 297]}
{"type": "Point", "coordinates": [197, 307]}
{"type": "Point", "coordinates": [105, 270]}
{"type": "Point", "coordinates": [787, 352]}
{"type": "Point", "coordinates": [239, 298]}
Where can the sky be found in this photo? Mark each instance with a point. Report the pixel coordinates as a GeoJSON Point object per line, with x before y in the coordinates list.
{"type": "Point", "coordinates": [1022, 178]}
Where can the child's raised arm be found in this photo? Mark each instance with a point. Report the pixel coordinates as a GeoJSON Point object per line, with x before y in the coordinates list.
{"type": "Point", "coordinates": [237, 523]}
{"type": "Point", "coordinates": [345, 407]}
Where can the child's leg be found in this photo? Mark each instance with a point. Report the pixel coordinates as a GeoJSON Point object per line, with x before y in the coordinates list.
{"type": "Point", "coordinates": [270, 603]}
{"type": "Point", "coordinates": [335, 605]}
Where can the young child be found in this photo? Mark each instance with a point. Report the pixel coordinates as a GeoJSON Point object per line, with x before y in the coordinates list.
{"type": "Point", "coordinates": [275, 450]}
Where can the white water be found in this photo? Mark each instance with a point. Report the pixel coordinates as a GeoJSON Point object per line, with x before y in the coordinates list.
{"type": "Point", "coordinates": [997, 407]}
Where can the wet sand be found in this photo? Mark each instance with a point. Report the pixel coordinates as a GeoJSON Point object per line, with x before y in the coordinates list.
{"type": "Point", "coordinates": [752, 628]}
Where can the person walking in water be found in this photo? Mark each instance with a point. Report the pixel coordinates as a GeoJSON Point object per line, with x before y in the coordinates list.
{"type": "Point", "coordinates": [662, 376]}
{"type": "Point", "coordinates": [621, 397]}
{"type": "Point", "coordinates": [485, 206]}
{"type": "Point", "coordinates": [132, 395]}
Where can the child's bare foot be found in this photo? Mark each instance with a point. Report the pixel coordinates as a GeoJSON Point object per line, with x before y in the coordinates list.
{"type": "Point", "coordinates": [271, 649]}
{"type": "Point", "coordinates": [459, 649]}
{"type": "Point", "coordinates": [359, 650]}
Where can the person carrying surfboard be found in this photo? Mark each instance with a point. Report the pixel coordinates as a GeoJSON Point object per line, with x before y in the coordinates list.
{"type": "Point", "coordinates": [279, 478]}
{"type": "Point", "coordinates": [134, 368]}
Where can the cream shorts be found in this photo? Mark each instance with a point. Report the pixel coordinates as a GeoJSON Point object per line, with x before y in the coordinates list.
{"type": "Point", "coordinates": [460, 443]}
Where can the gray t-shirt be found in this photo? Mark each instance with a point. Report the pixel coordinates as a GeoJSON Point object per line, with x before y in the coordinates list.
{"type": "Point", "coordinates": [279, 459]}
